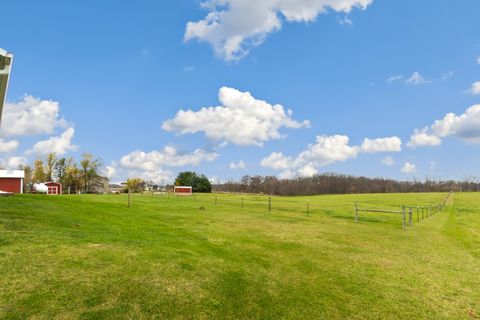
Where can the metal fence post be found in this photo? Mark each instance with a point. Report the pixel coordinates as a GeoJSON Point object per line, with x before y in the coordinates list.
{"type": "Point", "coordinates": [404, 218]}
{"type": "Point", "coordinates": [410, 218]}
{"type": "Point", "coordinates": [308, 208]}
{"type": "Point", "coordinates": [242, 202]}
{"type": "Point", "coordinates": [129, 195]}
{"type": "Point", "coordinates": [269, 203]}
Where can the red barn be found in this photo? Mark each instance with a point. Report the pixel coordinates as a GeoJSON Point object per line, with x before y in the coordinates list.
{"type": "Point", "coordinates": [183, 191]}
{"type": "Point", "coordinates": [54, 188]}
{"type": "Point", "coordinates": [12, 181]}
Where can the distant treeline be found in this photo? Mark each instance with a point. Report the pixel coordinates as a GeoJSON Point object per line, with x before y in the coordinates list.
{"type": "Point", "coordinates": [341, 184]}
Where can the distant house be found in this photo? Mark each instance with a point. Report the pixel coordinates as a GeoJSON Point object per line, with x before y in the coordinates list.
{"type": "Point", "coordinates": [116, 188]}
{"type": "Point", "coordinates": [11, 181]}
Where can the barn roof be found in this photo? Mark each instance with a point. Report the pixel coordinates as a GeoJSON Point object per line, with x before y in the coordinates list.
{"type": "Point", "coordinates": [19, 174]}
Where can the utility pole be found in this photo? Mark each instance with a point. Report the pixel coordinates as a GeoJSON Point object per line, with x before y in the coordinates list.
{"type": "Point", "coordinates": [6, 61]}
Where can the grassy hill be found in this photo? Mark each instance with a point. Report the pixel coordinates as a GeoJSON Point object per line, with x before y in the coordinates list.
{"type": "Point", "coordinates": [91, 257]}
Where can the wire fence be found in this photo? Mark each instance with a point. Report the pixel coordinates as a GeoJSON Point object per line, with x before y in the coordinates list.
{"type": "Point", "coordinates": [422, 212]}
{"type": "Point", "coordinates": [305, 205]}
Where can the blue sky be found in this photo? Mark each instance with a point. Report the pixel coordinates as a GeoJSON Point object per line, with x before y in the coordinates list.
{"type": "Point", "coordinates": [108, 77]}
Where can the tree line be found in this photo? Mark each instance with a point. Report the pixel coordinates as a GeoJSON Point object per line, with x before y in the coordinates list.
{"type": "Point", "coordinates": [75, 177]}
{"type": "Point", "coordinates": [332, 183]}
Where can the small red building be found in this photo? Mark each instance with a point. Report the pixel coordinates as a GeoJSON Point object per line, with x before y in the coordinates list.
{"type": "Point", "coordinates": [183, 191]}
{"type": "Point", "coordinates": [54, 188]}
{"type": "Point", "coordinates": [11, 181]}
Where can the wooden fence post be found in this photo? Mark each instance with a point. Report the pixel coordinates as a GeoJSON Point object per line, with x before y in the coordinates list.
{"type": "Point", "coordinates": [356, 212]}
{"type": "Point", "coordinates": [129, 194]}
{"type": "Point", "coordinates": [404, 218]}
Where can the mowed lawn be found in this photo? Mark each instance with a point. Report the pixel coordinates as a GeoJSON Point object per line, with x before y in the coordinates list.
{"type": "Point", "coordinates": [91, 257]}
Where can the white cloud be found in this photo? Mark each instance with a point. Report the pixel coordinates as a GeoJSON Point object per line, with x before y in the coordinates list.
{"type": "Point", "coordinates": [240, 165]}
{"type": "Point", "coordinates": [409, 168]}
{"type": "Point", "coordinates": [233, 27]}
{"type": "Point", "coordinates": [465, 126]}
{"type": "Point", "coordinates": [168, 157]}
{"type": "Point", "coordinates": [13, 163]}
{"type": "Point", "coordinates": [307, 170]}
{"type": "Point", "coordinates": [416, 79]}
{"type": "Point", "coordinates": [475, 89]}
{"type": "Point", "coordinates": [388, 161]}
{"type": "Point", "coordinates": [31, 116]}
{"type": "Point", "coordinates": [345, 21]}
{"type": "Point", "coordinates": [394, 78]}
{"type": "Point", "coordinates": [151, 166]}
{"type": "Point", "coordinates": [421, 138]}
{"type": "Point", "coordinates": [157, 176]}
{"type": "Point", "coordinates": [242, 120]}
{"type": "Point", "coordinates": [8, 146]}
{"type": "Point", "coordinates": [478, 60]}
{"type": "Point", "coordinates": [326, 150]}
{"type": "Point", "coordinates": [111, 171]}
{"type": "Point", "coordinates": [60, 144]}
{"type": "Point", "coordinates": [447, 75]}
{"type": "Point", "coordinates": [392, 144]}
{"type": "Point", "coordinates": [277, 161]}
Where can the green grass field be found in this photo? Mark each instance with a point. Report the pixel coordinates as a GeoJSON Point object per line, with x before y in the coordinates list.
{"type": "Point", "coordinates": [91, 257]}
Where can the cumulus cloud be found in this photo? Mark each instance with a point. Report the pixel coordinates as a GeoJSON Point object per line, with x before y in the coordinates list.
{"type": "Point", "coordinates": [31, 116]}
{"type": "Point", "coordinates": [388, 161]}
{"type": "Point", "coordinates": [240, 165]}
{"type": "Point", "coordinates": [422, 138]}
{"type": "Point", "coordinates": [111, 171]}
{"type": "Point", "coordinates": [233, 27]}
{"type": "Point", "coordinates": [242, 120]}
{"type": "Point", "coordinates": [409, 168]}
{"type": "Point", "coordinates": [392, 144]}
{"type": "Point", "coordinates": [157, 176]}
{"type": "Point", "coordinates": [8, 146]}
{"type": "Point", "coordinates": [152, 165]}
{"type": "Point", "coordinates": [13, 163]}
{"type": "Point", "coordinates": [326, 150]}
{"type": "Point", "coordinates": [168, 157]}
{"type": "Point", "coordinates": [475, 89]}
{"type": "Point", "coordinates": [465, 126]}
{"type": "Point", "coordinates": [59, 144]}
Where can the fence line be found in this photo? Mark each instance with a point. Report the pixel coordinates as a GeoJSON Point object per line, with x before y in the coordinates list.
{"type": "Point", "coordinates": [272, 202]}
{"type": "Point", "coordinates": [427, 211]}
